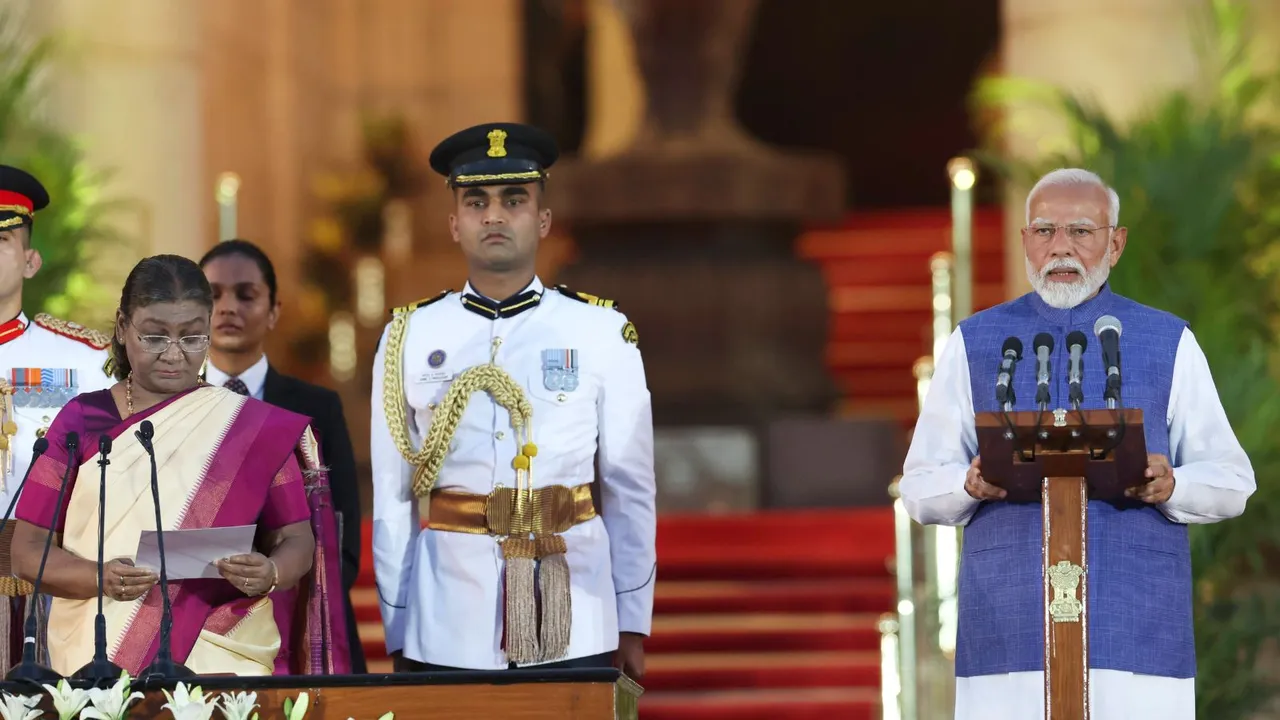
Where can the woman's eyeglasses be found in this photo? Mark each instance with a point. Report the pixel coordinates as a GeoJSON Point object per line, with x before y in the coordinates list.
{"type": "Point", "coordinates": [158, 344]}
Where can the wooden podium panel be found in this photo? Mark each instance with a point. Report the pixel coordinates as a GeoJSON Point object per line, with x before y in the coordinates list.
{"type": "Point", "coordinates": [1063, 459]}
{"type": "Point", "coordinates": [596, 694]}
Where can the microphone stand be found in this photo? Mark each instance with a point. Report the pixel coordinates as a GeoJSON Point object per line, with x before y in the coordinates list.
{"type": "Point", "coordinates": [163, 667]}
{"type": "Point", "coordinates": [40, 447]}
{"type": "Point", "coordinates": [100, 670]}
{"type": "Point", "coordinates": [28, 669]}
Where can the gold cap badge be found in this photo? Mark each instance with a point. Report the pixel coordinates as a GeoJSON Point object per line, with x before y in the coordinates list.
{"type": "Point", "coordinates": [497, 138]}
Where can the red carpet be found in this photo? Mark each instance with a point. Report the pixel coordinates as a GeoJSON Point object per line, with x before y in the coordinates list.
{"type": "Point", "coordinates": [766, 615]}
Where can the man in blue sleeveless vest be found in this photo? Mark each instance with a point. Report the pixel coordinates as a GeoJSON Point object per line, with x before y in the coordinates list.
{"type": "Point", "coordinates": [1141, 645]}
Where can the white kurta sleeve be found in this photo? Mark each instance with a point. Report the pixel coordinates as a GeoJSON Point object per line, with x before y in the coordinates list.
{"type": "Point", "coordinates": [395, 511]}
{"type": "Point", "coordinates": [628, 489]}
{"type": "Point", "coordinates": [1213, 477]}
{"type": "Point", "coordinates": [943, 445]}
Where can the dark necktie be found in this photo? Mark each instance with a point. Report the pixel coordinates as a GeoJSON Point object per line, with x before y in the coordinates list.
{"type": "Point", "coordinates": [236, 385]}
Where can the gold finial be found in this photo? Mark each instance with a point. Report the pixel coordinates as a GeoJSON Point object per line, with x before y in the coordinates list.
{"type": "Point", "coordinates": [496, 140]}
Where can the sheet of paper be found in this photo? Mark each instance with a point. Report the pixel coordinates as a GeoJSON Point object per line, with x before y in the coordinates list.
{"type": "Point", "coordinates": [191, 554]}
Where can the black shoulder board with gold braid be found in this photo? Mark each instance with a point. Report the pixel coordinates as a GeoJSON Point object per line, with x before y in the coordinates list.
{"type": "Point", "coordinates": [588, 299]}
{"type": "Point", "coordinates": [406, 309]}
{"type": "Point", "coordinates": [421, 303]}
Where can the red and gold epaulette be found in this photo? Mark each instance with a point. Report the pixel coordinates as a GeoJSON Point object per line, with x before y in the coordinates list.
{"type": "Point", "coordinates": [93, 338]}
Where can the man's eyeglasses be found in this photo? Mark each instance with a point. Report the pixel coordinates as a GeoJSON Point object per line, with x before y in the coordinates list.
{"type": "Point", "coordinates": [1075, 232]}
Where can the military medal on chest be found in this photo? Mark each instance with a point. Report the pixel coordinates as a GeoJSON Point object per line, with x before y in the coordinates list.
{"type": "Point", "coordinates": [560, 370]}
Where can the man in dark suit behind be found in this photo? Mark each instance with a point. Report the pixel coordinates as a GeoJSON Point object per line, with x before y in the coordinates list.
{"type": "Point", "coordinates": [245, 309]}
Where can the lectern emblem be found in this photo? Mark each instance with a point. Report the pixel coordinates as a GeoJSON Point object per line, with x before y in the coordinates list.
{"type": "Point", "coordinates": [1059, 418]}
{"type": "Point", "coordinates": [1064, 577]}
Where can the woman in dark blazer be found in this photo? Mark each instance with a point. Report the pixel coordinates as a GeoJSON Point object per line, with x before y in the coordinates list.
{"type": "Point", "coordinates": [245, 309]}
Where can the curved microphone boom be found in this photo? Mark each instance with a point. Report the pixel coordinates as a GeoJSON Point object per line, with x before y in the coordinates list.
{"type": "Point", "coordinates": [1043, 345]}
{"type": "Point", "coordinates": [40, 447]}
{"type": "Point", "coordinates": [29, 669]}
{"type": "Point", "coordinates": [1010, 354]}
{"type": "Point", "coordinates": [100, 670]}
{"type": "Point", "coordinates": [1108, 330]}
{"type": "Point", "coordinates": [1076, 344]}
{"type": "Point", "coordinates": [163, 667]}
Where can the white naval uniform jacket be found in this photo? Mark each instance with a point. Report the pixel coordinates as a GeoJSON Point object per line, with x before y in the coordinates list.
{"type": "Point", "coordinates": [441, 592]}
{"type": "Point", "coordinates": [48, 361]}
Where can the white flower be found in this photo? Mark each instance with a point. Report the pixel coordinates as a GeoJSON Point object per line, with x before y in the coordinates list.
{"type": "Point", "coordinates": [19, 707]}
{"type": "Point", "coordinates": [388, 716]}
{"type": "Point", "coordinates": [110, 703]}
{"type": "Point", "coordinates": [297, 710]}
{"type": "Point", "coordinates": [67, 701]}
{"type": "Point", "coordinates": [239, 706]}
{"type": "Point", "coordinates": [189, 703]}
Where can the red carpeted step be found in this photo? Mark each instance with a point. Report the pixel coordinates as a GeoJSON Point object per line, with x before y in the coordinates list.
{"type": "Point", "coordinates": [806, 704]}
{"type": "Point", "coordinates": [780, 544]}
{"type": "Point", "coordinates": [861, 595]}
{"type": "Point", "coordinates": [779, 632]}
{"type": "Point", "coordinates": [721, 671]}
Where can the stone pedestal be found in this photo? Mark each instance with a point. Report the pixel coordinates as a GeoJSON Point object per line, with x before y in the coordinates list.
{"type": "Point", "coordinates": [690, 227]}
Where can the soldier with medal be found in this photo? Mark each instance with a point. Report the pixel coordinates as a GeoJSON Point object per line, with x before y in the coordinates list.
{"type": "Point", "coordinates": [491, 408]}
{"type": "Point", "coordinates": [44, 362]}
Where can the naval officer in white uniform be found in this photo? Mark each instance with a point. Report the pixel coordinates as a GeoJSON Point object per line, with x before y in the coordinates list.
{"type": "Point", "coordinates": [497, 403]}
{"type": "Point", "coordinates": [44, 362]}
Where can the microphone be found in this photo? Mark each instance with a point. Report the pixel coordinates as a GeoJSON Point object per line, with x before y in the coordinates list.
{"type": "Point", "coordinates": [1108, 331]}
{"type": "Point", "coordinates": [1076, 343]}
{"type": "Point", "coordinates": [41, 446]}
{"type": "Point", "coordinates": [1011, 353]}
{"type": "Point", "coordinates": [28, 669]}
{"type": "Point", "coordinates": [163, 667]}
{"type": "Point", "coordinates": [100, 669]}
{"type": "Point", "coordinates": [1044, 347]}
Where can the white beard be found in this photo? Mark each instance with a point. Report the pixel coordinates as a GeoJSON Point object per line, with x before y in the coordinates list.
{"type": "Point", "coordinates": [1068, 295]}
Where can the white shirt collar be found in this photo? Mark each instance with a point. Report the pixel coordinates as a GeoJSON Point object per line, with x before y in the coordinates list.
{"type": "Point", "coordinates": [254, 378]}
{"type": "Point", "coordinates": [535, 285]}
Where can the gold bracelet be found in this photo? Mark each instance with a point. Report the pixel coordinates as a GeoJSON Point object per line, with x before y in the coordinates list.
{"type": "Point", "coordinates": [275, 576]}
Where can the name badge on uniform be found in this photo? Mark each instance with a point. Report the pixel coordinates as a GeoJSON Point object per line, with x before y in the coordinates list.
{"type": "Point", "coordinates": [560, 370]}
{"type": "Point", "coordinates": [43, 387]}
{"type": "Point", "coordinates": [435, 374]}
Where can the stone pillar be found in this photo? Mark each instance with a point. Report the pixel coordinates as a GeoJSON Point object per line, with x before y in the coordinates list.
{"type": "Point", "coordinates": [689, 223]}
{"type": "Point", "coordinates": [615, 91]}
{"type": "Point", "coordinates": [129, 84]}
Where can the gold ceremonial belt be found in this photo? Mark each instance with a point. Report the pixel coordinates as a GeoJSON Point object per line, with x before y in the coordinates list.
{"type": "Point", "coordinates": [547, 511]}
{"type": "Point", "coordinates": [10, 586]}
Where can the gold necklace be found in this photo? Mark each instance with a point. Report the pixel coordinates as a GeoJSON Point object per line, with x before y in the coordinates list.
{"type": "Point", "coordinates": [128, 392]}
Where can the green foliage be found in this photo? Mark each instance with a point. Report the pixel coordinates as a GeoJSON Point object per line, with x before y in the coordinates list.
{"type": "Point", "coordinates": [70, 234]}
{"type": "Point", "coordinates": [1198, 174]}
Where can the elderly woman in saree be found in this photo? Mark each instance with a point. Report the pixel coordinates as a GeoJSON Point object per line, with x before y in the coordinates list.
{"type": "Point", "coordinates": [224, 460]}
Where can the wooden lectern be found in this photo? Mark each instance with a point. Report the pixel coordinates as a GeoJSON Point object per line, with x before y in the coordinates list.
{"type": "Point", "coordinates": [528, 694]}
{"type": "Point", "coordinates": [1063, 459]}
